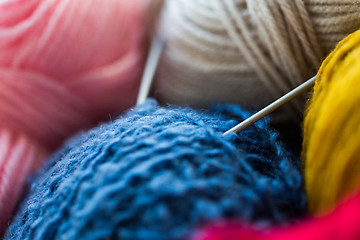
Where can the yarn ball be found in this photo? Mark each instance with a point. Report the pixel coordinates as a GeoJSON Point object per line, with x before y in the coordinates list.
{"type": "Point", "coordinates": [331, 147]}
{"type": "Point", "coordinates": [64, 66]}
{"type": "Point", "coordinates": [159, 173]}
{"type": "Point", "coordinates": [331, 150]}
{"type": "Point", "coordinates": [343, 223]}
{"type": "Point", "coordinates": [248, 51]}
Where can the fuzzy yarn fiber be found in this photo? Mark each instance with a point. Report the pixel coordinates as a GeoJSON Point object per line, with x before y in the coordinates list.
{"type": "Point", "coordinates": [331, 157]}
{"type": "Point", "coordinates": [331, 147]}
{"type": "Point", "coordinates": [65, 65]}
{"type": "Point", "coordinates": [159, 173]}
{"type": "Point", "coordinates": [342, 223]}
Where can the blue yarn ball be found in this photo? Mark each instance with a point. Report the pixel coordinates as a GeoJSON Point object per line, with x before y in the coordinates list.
{"type": "Point", "coordinates": [160, 173]}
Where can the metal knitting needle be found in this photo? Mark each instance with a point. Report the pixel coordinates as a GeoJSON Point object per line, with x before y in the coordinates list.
{"type": "Point", "coordinates": [152, 61]}
{"type": "Point", "coordinates": [273, 106]}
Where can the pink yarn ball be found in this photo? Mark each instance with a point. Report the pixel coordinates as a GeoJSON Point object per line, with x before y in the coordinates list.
{"type": "Point", "coordinates": [64, 66]}
{"type": "Point", "coordinates": [343, 223]}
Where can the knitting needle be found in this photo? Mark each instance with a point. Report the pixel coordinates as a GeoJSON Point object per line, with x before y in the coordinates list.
{"type": "Point", "coordinates": [273, 106]}
{"type": "Point", "coordinates": [152, 61]}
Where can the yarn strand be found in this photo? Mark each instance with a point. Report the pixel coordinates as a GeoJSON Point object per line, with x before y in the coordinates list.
{"type": "Point", "coordinates": [247, 51]}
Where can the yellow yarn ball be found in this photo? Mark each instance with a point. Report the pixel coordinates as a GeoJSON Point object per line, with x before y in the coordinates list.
{"type": "Point", "coordinates": [331, 147]}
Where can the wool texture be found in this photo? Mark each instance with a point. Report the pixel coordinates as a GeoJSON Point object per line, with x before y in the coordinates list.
{"type": "Point", "coordinates": [64, 66]}
{"type": "Point", "coordinates": [342, 223]}
{"type": "Point", "coordinates": [331, 147]}
{"type": "Point", "coordinates": [330, 153]}
{"type": "Point", "coordinates": [248, 51]}
{"type": "Point", "coordinates": [159, 173]}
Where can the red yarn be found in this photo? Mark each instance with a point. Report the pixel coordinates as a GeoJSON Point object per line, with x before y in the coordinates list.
{"type": "Point", "coordinates": [64, 66]}
{"type": "Point", "coordinates": [343, 224]}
